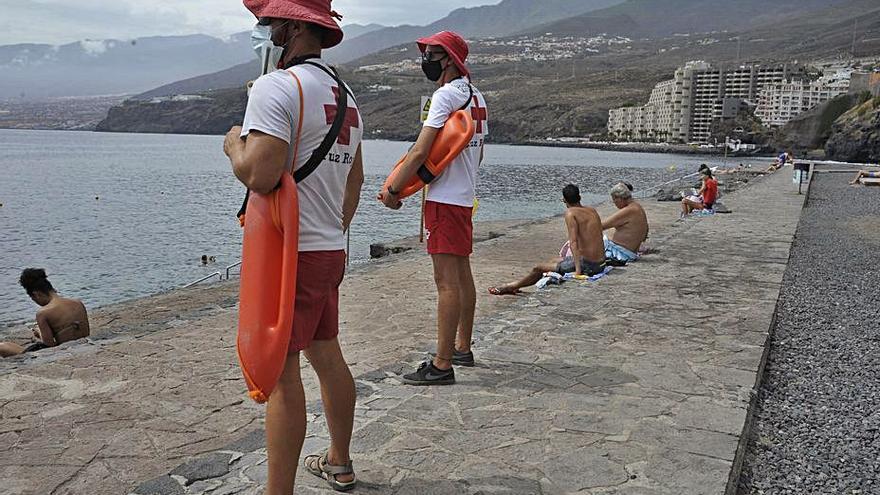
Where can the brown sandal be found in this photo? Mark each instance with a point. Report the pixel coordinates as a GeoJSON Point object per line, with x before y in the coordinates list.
{"type": "Point", "coordinates": [317, 465]}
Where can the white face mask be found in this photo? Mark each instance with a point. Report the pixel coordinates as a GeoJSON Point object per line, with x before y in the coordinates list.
{"type": "Point", "coordinates": [267, 51]}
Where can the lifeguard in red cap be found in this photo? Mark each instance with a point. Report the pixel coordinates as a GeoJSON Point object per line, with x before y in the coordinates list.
{"type": "Point", "coordinates": [291, 125]}
{"type": "Point", "coordinates": [449, 205]}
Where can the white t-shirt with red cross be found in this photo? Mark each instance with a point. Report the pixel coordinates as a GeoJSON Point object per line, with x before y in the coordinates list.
{"type": "Point", "coordinates": [273, 108]}
{"type": "Point", "coordinates": [456, 185]}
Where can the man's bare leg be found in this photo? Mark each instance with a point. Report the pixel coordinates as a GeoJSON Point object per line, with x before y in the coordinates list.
{"type": "Point", "coordinates": [859, 175]}
{"type": "Point", "coordinates": [446, 276]}
{"type": "Point", "coordinates": [8, 349]}
{"type": "Point", "coordinates": [530, 279]}
{"type": "Point", "coordinates": [338, 396]}
{"type": "Point", "coordinates": [468, 299]}
{"type": "Point", "coordinates": [285, 428]}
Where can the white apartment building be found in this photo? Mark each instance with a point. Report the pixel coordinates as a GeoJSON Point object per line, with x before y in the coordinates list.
{"type": "Point", "coordinates": [649, 122]}
{"type": "Point", "coordinates": [684, 108]}
{"type": "Point", "coordinates": [779, 103]}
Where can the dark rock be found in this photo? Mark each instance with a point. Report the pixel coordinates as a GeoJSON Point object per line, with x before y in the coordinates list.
{"type": "Point", "coordinates": [214, 113]}
{"type": "Point", "coordinates": [206, 467]}
{"type": "Point", "coordinates": [381, 250]}
{"type": "Point", "coordinates": [855, 137]}
{"type": "Point", "coordinates": [249, 443]}
{"type": "Point", "coordinates": [163, 485]}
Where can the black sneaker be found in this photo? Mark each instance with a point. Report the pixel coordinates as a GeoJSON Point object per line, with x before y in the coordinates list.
{"type": "Point", "coordinates": [461, 358]}
{"type": "Point", "coordinates": [427, 374]}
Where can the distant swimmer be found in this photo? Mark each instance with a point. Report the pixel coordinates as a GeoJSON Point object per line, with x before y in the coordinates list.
{"type": "Point", "coordinates": [585, 251]}
{"type": "Point", "coordinates": [449, 205]}
{"type": "Point", "coordinates": [59, 320]}
{"type": "Point", "coordinates": [630, 226]}
{"type": "Point", "coordinates": [866, 174]}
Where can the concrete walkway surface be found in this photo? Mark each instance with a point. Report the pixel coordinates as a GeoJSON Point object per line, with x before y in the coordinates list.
{"type": "Point", "coordinates": [638, 383]}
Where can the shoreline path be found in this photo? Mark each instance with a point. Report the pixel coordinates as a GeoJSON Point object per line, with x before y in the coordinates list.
{"type": "Point", "coordinates": [636, 384]}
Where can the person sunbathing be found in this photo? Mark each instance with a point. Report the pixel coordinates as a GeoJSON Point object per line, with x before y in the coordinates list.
{"type": "Point", "coordinates": [865, 174]}
{"type": "Point", "coordinates": [705, 198]}
{"type": "Point", "coordinates": [59, 320]}
{"type": "Point", "coordinates": [630, 226]}
{"type": "Point", "coordinates": [587, 250]}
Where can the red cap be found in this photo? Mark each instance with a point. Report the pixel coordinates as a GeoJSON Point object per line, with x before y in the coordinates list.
{"type": "Point", "coordinates": [313, 11]}
{"type": "Point", "coordinates": [454, 45]}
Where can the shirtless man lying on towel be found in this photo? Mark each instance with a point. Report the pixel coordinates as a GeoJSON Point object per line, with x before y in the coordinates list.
{"type": "Point", "coordinates": [59, 320]}
{"type": "Point", "coordinates": [585, 239]}
{"type": "Point", "coordinates": [866, 174]}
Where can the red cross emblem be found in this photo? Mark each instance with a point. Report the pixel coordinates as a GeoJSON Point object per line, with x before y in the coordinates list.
{"type": "Point", "coordinates": [479, 114]}
{"type": "Point", "coordinates": [352, 119]}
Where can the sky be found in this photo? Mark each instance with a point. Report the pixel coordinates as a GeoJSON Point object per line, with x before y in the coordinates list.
{"type": "Point", "coordinates": [65, 21]}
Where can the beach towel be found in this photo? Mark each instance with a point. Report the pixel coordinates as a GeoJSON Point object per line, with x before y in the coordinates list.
{"type": "Point", "coordinates": [549, 278]}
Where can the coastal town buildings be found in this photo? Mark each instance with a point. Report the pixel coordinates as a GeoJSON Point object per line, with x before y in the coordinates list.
{"type": "Point", "coordinates": [779, 103]}
{"type": "Point", "coordinates": [683, 109]}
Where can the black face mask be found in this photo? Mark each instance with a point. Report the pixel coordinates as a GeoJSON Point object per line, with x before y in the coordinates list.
{"type": "Point", "coordinates": [433, 69]}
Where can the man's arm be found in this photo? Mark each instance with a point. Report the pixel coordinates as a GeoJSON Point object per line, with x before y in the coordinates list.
{"type": "Point", "coordinates": [353, 189]}
{"type": "Point", "coordinates": [46, 333]}
{"type": "Point", "coordinates": [617, 220]}
{"type": "Point", "coordinates": [572, 226]}
{"type": "Point", "coordinates": [259, 161]}
{"type": "Point", "coordinates": [414, 159]}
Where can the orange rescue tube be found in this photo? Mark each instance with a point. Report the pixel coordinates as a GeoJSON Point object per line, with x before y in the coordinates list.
{"type": "Point", "coordinates": [452, 139]}
{"type": "Point", "coordinates": [268, 286]}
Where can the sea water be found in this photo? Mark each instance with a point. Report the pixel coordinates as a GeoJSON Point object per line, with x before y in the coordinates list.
{"type": "Point", "coordinates": [117, 216]}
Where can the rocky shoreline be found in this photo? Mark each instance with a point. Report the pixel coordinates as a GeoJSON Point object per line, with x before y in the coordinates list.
{"type": "Point", "coordinates": [666, 148]}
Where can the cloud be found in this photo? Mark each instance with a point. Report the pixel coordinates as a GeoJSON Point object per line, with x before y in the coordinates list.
{"type": "Point", "coordinates": [94, 47]}
{"type": "Point", "coordinates": [65, 21]}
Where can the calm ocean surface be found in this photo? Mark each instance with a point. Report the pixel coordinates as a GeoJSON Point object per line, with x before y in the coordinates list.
{"type": "Point", "coordinates": [117, 216]}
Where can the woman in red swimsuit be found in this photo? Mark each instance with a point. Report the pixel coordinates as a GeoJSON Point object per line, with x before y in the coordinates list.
{"type": "Point", "coordinates": [708, 195]}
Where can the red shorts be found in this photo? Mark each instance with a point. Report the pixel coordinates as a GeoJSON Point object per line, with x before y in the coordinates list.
{"type": "Point", "coordinates": [316, 311]}
{"type": "Point", "coordinates": [449, 229]}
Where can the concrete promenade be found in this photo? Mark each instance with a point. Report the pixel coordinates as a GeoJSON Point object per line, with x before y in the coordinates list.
{"type": "Point", "coordinates": [636, 384]}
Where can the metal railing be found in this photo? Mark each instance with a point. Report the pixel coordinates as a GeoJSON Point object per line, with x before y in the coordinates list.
{"type": "Point", "coordinates": [230, 267]}
{"type": "Point", "coordinates": [206, 277]}
{"type": "Point", "coordinates": [651, 190]}
{"type": "Point", "coordinates": [219, 275]}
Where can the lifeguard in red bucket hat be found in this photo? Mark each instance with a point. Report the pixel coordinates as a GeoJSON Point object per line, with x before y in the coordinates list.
{"type": "Point", "coordinates": [449, 205]}
{"type": "Point", "coordinates": [293, 115]}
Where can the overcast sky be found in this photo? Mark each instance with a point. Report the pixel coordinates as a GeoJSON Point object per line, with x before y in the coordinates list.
{"type": "Point", "coordinates": [63, 21]}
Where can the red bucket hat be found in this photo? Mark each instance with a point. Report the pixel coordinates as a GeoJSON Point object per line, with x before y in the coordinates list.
{"type": "Point", "coordinates": [313, 11]}
{"type": "Point", "coordinates": [456, 47]}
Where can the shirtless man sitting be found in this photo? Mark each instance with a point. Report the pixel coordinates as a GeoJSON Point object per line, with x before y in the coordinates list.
{"type": "Point", "coordinates": [585, 241]}
{"type": "Point", "coordinates": [630, 226]}
{"type": "Point", "coordinates": [59, 320]}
